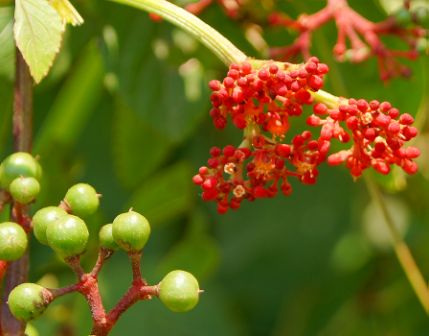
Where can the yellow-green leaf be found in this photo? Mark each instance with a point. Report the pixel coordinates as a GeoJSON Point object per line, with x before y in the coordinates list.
{"type": "Point", "coordinates": [68, 13]}
{"type": "Point", "coordinates": [7, 49]}
{"type": "Point", "coordinates": [38, 31]}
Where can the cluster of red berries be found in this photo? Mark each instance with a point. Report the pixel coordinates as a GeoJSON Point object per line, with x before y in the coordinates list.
{"type": "Point", "coordinates": [260, 98]}
{"type": "Point", "coordinates": [378, 131]}
{"type": "Point", "coordinates": [266, 97]}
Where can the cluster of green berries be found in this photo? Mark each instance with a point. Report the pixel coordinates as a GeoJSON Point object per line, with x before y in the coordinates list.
{"type": "Point", "coordinates": [64, 230]}
{"type": "Point", "coordinates": [20, 175]}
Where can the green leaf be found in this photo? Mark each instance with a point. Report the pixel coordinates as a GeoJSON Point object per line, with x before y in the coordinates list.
{"type": "Point", "coordinates": [197, 252]}
{"type": "Point", "coordinates": [7, 50]}
{"type": "Point", "coordinates": [38, 33]}
{"type": "Point", "coordinates": [134, 141]}
{"type": "Point", "coordinates": [74, 103]}
{"type": "Point", "coordinates": [166, 195]}
{"type": "Point", "coordinates": [68, 13]}
{"type": "Point", "coordinates": [171, 98]}
{"type": "Point", "coordinates": [6, 94]}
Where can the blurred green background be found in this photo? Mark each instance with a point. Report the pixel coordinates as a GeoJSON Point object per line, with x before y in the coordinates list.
{"type": "Point", "coordinates": [125, 108]}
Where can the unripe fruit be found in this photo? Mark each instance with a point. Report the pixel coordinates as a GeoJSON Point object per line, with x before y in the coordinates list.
{"type": "Point", "coordinates": [16, 165]}
{"type": "Point", "coordinates": [131, 231]}
{"type": "Point", "coordinates": [106, 238]}
{"type": "Point", "coordinates": [82, 199]}
{"type": "Point", "coordinates": [402, 16]}
{"type": "Point", "coordinates": [24, 189]}
{"type": "Point", "coordinates": [13, 241]}
{"type": "Point", "coordinates": [43, 218]}
{"type": "Point", "coordinates": [28, 300]}
{"type": "Point", "coordinates": [67, 236]}
{"type": "Point", "coordinates": [179, 291]}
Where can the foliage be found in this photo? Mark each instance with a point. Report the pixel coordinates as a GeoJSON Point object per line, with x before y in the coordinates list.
{"type": "Point", "coordinates": [125, 108]}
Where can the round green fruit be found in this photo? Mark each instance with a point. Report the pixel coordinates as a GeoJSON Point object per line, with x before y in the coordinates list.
{"type": "Point", "coordinates": [16, 165]}
{"type": "Point", "coordinates": [24, 189]}
{"type": "Point", "coordinates": [106, 237]}
{"type": "Point", "coordinates": [82, 199]}
{"type": "Point", "coordinates": [179, 291]}
{"type": "Point", "coordinates": [403, 16]}
{"type": "Point", "coordinates": [67, 236]}
{"type": "Point", "coordinates": [131, 231]}
{"type": "Point", "coordinates": [28, 300]}
{"type": "Point", "coordinates": [13, 241]}
{"type": "Point", "coordinates": [43, 218]}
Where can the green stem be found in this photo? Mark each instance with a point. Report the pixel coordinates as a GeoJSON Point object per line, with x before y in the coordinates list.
{"type": "Point", "coordinates": [212, 39]}
{"type": "Point", "coordinates": [327, 98]}
{"type": "Point", "coordinates": [402, 251]}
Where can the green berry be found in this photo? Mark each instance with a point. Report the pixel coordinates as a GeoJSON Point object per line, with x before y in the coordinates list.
{"type": "Point", "coordinates": [67, 236]}
{"type": "Point", "coordinates": [106, 238]}
{"type": "Point", "coordinates": [403, 16]}
{"type": "Point", "coordinates": [13, 241]}
{"type": "Point", "coordinates": [28, 300]}
{"type": "Point", "coordinates": [82, 199]}
{"type": "Point", "coordinates": [43, 218]}
{"type": "Point", "coordinates": [179, 291]}
{"type": "Point", "coordinates": [24, 189]}
{"type": "Point", "coordinates": [16, 165]}
{"type": "Point", "coordinates": [131, 231]}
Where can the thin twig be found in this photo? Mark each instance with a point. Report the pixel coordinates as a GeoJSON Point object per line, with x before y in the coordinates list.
{"type": "Point", "coordinates": [402, 251]}
{"type": "Point", "coordinates": [22, 131]}
{"type": "Point", "coordinates": [103, 255]}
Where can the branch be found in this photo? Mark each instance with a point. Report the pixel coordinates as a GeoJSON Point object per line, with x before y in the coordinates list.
{"type": "Point", "coordinates": [22, 131]}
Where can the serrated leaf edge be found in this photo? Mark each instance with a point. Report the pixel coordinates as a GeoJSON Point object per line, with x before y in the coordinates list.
{"type": "Point", "coordinates": [37, 80]}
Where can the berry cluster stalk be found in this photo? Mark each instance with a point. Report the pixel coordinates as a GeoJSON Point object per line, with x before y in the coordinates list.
{"type": "Point", "coordinates": [402, 250]}
{"type": "Point", "coordinates": [230, 54]}
{"type": "Point", "coordinates": [17, 271]}
{"type": "Point", "coordinates": [226, 51]}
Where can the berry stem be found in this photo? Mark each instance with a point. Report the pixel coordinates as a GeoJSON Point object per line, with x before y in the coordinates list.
{"type": "Point", "coordinates": [138, 291]}
{"type": "Point", "coordinates": [58, 292]}
{"type": "Point", "coordinates": [74, 263]}
{"type": "Point", "coordinates": [402, 251]}
{"type": "Point", "coordinates": [327, 98]}
{"type": "Point", "coordinates": [4, 199]}
{"type": "Point", "coordinates": [135, 266]}
{"type": "Point", "coordinates": [226, 51]}
{"type": "Point", "coordinates": [103, 255]}
{"type": "Point", "coordinates": [17, 272]}
{"type": "Point", "coordinates": [23, 106]}
{"type": "Point", "coordinates": [3, 268]}
{"type": "Point", "coordinates": [88, 287]}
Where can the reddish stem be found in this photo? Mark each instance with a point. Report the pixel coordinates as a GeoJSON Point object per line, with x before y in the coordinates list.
{"type": "Point", "coordinates": [138, 291]}
{"type": "Point", "coordinates": [135, 259]}
{"type": "Point", "coordinates": [22, 131]}
{"type": "Point", "coordinates": [3, 268]}
{"type": "Point", "coordinates": [88, 287]}
{"type": "Point", "coordinates": [103, 255]}
{"type": "Point", "coordinates": [363, 35]}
